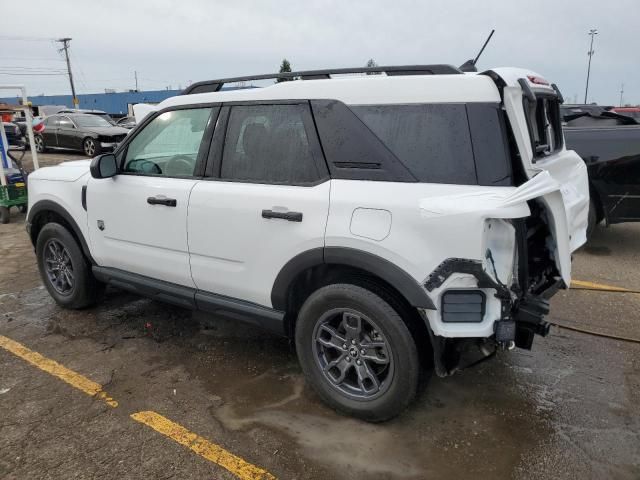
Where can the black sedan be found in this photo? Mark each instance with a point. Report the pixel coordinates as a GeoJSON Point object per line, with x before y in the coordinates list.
{"type": "Point", "coordinates": [90, 134]}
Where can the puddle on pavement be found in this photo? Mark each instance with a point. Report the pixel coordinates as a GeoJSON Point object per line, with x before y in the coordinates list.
{"type": "Point", "coordinates": [481, 421]}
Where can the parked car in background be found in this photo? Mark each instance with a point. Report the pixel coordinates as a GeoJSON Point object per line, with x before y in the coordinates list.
{"type": "Point", "coordinates": [99, 113]}
{"type": "Point", "coordinates": [608, 140]}
{"type": "Point", "coordinates": [91, 134]}
{"type": "Point", "coordinates": [126, 122]}
{"type": "Point", "coordinates": [14, 134]}
{"type": "Point", "coordinates": [628, 111]}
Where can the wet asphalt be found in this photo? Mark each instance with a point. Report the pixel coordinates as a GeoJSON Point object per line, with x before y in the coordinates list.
{"type": "Point", "coordinates": [570, 408]}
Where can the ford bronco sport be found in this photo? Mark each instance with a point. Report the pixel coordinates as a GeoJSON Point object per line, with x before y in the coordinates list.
{"type": "Point", "coordinates": [386, 222]}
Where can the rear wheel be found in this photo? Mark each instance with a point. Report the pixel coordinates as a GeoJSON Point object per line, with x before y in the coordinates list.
{"type": "Point", "coordinates": [40, 146]}
{"type": "Point", "coordinates": [65, 272]}
{"type": "Point", "coordinates": [356, 352]}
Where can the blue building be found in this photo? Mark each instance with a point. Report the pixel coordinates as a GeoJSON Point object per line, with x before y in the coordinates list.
{"type": "Point", "coordinates": [115, 103]}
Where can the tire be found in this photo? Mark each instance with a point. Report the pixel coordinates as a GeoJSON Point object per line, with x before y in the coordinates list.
{"type": "Point", "coordinates": [330, 316]}
{"type": "Point", "coordinates": [90, 147]}
{"type": "Point", "coordinates": [592, 219]}
{"type": "Point", "coordinates": [5, 215]}
{"type": "Point", "coordinates": [23, 208]}
{"type": "Point", "coordinates": [40, 146]}
{"type": "Point", "coordinates": [79, 289]}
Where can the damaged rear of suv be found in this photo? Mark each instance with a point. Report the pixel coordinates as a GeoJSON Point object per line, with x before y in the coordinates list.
{"type": "Point", "coordinates": [388, 223]}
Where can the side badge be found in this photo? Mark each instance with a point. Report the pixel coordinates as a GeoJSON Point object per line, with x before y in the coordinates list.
{"type": "Point", "coordinates": [100, 225]}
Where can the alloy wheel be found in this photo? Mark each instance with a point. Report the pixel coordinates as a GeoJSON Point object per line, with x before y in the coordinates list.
{"type": "Point", "coordinates": [89, 147]}
{"type": "Point", "coordinates": [58, 267]}
{"type": "Point", "coordinates": [353, 354]}
{"type": "Point", "coordinates": [39, 144]}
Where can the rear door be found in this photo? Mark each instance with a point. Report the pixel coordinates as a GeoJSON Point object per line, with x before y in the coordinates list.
{"type": "Point", "coordinates": [266, 200]}
{"type": "Point", "coordinates": [137, 220]}
{"type": "Point", "coordinates": [49, 134]}
{"type": "Point", "coordinates": [67, 133]}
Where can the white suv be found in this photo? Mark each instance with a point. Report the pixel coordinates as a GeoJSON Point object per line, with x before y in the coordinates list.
{"type": "Point", "coordinates": [386, 222]}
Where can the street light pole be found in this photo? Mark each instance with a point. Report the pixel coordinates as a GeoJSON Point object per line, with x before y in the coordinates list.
{"type": "Point", "coordinates": [593, 32]}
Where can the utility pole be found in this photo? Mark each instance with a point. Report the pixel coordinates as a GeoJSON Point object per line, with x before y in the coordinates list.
{"type": "Point", "coordinates": [65, 47]}
{"type": "Point", "coordinates": [621, 94]}
{"type": "Point", "coordinates": [593, 32]}
{"type": "Point", "coordinates": [135, 73]}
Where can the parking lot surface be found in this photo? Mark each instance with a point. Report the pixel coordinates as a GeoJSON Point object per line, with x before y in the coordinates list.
{"type": "Point", "coordinates": [235, 396]}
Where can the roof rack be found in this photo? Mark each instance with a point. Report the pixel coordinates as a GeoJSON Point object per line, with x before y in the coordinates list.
{"type": "Point", "coordinates": [216, 85]}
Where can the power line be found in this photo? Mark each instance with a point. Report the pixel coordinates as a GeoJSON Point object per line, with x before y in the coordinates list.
{"type": "Point", "coordinates": [26, 38]}
{"type": "Point", "coordinates": [30, 74]}
{"type": "Point", "coordinates": [40, 59]}
{"type": "Point", "coordinates": [31, 69]}
{"type": "Point", "coordinates": [82, 78]}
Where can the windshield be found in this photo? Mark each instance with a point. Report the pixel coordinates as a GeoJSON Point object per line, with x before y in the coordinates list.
{"type": "Point", "coordinates": [90, 121]}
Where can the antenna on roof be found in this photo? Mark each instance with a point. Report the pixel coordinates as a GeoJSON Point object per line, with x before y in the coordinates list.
{"type": "Point", "coordinates": [470, 65]}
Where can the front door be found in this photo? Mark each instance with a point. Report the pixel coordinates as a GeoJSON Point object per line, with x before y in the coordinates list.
{"type": "Point", "coordinates": [268, 200]}
{"type": "Point", "coordinates": [138, 219]}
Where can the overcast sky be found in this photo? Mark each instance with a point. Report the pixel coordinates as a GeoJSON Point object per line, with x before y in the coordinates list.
{"type": "Point", "coordinates": [173, 43]}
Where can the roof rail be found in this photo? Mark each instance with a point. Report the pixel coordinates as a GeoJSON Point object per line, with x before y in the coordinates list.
{"type": "Point", "coordinates": [216, 85]}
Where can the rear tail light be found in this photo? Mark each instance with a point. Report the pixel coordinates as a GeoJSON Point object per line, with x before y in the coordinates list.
{"type": "Point", "coordinates": [537, 80]}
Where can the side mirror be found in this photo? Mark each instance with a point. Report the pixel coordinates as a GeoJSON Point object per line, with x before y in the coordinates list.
{"type": "Point", "coordinates": [104, 166]}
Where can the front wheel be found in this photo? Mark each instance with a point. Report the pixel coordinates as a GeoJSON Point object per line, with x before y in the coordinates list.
{"type": "Point", "coordinates": [91, 147]}
{"type": "Point", "coordinates": [65, 272]}
{"type": "Point", "coordinates": [356, 352]}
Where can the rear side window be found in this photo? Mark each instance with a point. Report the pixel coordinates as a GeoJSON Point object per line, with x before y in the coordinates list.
{"type": "Point", "coordinates": [65, 122]}
{"type": "Point", "coordinates": [432, 140]}
{"type": "Point", "coordinates": [545, 127]}
{"type": "Point", "coordinates": [269, 144]}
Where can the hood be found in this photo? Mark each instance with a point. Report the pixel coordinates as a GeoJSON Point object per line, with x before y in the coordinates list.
{"type": "Point", "coordinates": [108, 131]}
{"type": "Point", "coordinates": [64, 172]}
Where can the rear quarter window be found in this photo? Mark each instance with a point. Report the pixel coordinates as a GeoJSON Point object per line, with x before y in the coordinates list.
{"type": "Point", "coordinates": [432, 141]}
{"type": "Point", "coordinates": [462, 144]}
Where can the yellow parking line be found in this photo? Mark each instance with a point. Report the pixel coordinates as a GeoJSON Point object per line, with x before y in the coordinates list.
{"type": "Point", "coordinates": [74, 379]}
{"type": "Point", "coordinates": [212, 452]}
{"type": "Point", "coordinates": [581, 284]}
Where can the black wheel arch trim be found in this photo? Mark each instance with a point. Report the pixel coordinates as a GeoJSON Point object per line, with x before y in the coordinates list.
{"type": "Point", "coordinates": [51, 206]}
{"type": "Point", "coordinates": [408, 287]}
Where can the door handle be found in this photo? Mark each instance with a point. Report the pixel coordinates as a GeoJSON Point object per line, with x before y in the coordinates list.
{"type": "Point", "coordinates": [167, 202]}
{"type": "Point", "coordinates": [289, 216]}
